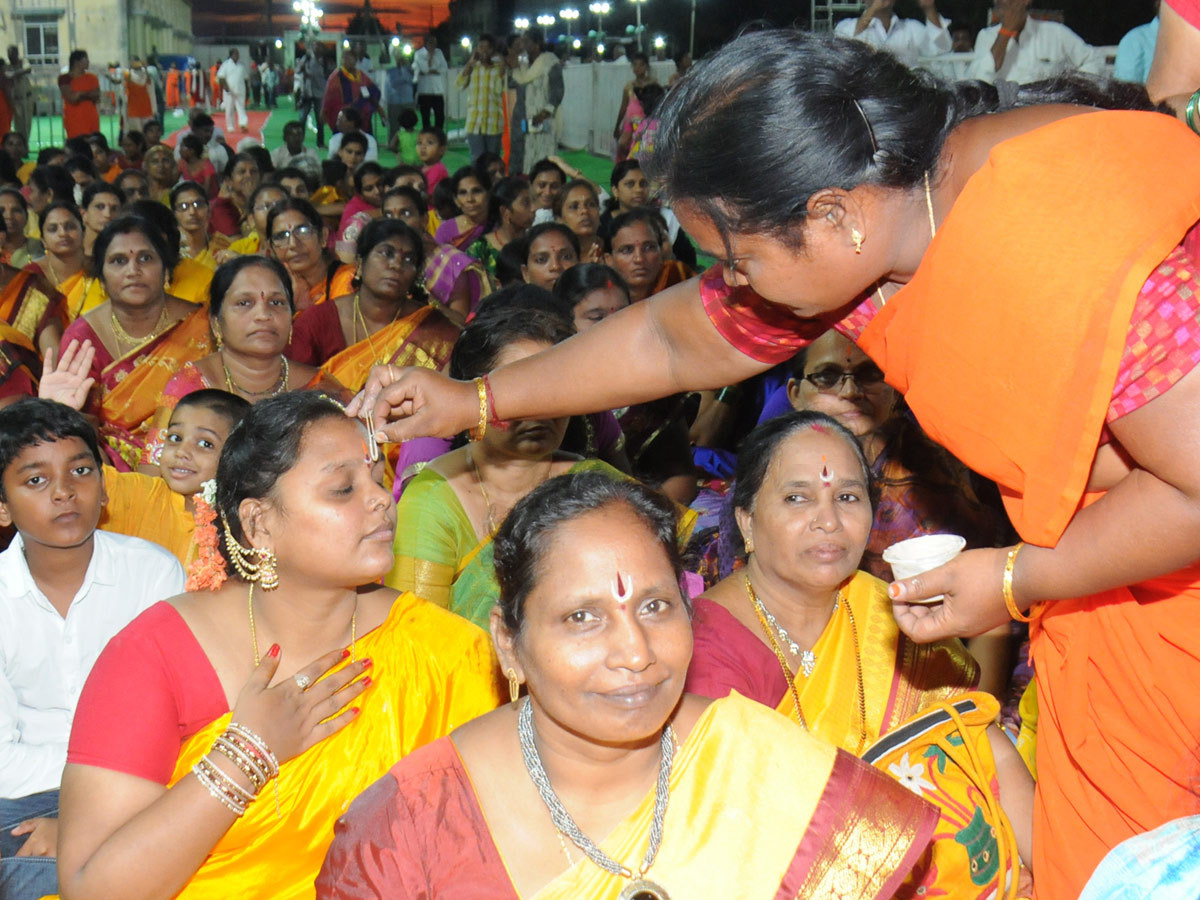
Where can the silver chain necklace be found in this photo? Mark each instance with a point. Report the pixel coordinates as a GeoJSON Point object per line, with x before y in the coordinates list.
{"type": "Point", "coordinates": [639, 888]}
{"type": "Point", "coordinates": [808, 659]}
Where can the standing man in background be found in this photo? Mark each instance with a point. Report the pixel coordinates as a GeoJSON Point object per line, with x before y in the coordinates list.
{"type": "Point", "coordinates": [22, 93]}
{"type": "Point", "coordinates": [233, 79]}
{"type": "Point", "coordinates": [310, 76]}
{"type": "Point", "coordinates": [80, 91]}
{"type": "Point", "coordinates": [430, 67]}
{"type": "Point", "coordinates": [483, 80]}
{"type": "Point", "coordinates": [541, 74]}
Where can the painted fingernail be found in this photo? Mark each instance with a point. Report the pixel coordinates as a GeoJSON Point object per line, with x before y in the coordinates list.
{"type": "Point", "coordinates": [274, 651]}
{"type": "Point", "coordinates": [345, 653]}
{"type": "Point", "coordinates": [367, 681]}
{"type": "Point", "coordinates": [367, 663]}
{"type": "Point", "coordinates": [355, 710]}
{"type": "Point", "coordinates": [894, 591]}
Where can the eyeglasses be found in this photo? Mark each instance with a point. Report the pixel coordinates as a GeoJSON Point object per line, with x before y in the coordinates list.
{"type": "Point", "coordinates": [300, 233]}
{"type": "Point", "coordinates": [185, 205]}
{"type": "Point", "coordinates": [405, 213]}
{"type": "Point", "coordinates": [831, 380]}
{"type": "Point", "coordinates": [389, 256]}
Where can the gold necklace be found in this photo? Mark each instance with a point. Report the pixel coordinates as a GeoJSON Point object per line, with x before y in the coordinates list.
{"type": "Point", "coordinates": [760, 612]}
{"type": "Point", "coordinates": [124, 336]}
{"type": "Point", "coordinates": [235, 388]}
{"type": "Point", "coordinates": [493, 527]}
{"type": "Point", "coordinates": [254, 633]}
{"type": "Point", "coordinates": [932, 234]}
{"type": "Point", "coordinates": [359, 317]}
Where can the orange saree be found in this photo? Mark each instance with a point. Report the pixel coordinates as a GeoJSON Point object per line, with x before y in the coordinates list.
{"type": "Point", "coordinates": [28, 301]}
{"type": "Point", "coordinates": [128, 388]}
{"type": "Point", "coordinates": [423, 339]}
{"type": "Point", "coordinates": [1118, 730]}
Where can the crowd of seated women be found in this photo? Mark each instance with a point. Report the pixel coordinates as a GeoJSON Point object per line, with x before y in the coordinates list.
{"type": "Point", "coordinates": [708, 695]}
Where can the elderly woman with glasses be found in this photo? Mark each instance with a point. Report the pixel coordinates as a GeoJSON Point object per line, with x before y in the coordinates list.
{"type": "Point", "coordinates": [298, 238]}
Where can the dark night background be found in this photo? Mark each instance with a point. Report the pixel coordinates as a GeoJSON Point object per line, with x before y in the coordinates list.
{"type": "Point", "coordinates": [1099, 22]}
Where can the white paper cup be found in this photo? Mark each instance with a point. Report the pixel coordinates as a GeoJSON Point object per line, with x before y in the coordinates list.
{"type": "Point", "coordinates": [920, 554]}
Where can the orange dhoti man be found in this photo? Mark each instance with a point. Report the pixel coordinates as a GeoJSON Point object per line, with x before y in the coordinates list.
{"type": "Point", "coordinates": [1016, 371]}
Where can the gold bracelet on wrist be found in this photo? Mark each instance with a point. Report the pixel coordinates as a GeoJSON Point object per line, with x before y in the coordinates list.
{"type": "Point", "coordinates": [1006, 587]}
{"type": "Point", "coordinates": [477, 433]}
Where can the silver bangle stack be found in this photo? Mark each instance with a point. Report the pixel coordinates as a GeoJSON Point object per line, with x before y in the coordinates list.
{"type": "Point", "coordinates": [253, 758]}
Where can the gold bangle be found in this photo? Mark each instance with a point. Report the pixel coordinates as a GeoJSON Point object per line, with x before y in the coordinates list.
{"type": "Point", "coordinates": [477, 433]}
{"type": "Point", "coordinates": [1006, 587]}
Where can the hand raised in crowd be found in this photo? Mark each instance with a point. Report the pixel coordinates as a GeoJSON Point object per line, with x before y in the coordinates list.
{"type": "Point", "coordinates": [416, 402]}
{"type": "Point", "coordinates": [291, 718]}
{"type": "Point", "coordinates": [971, 584]}
{"type": "Point", "coordinates": [43, 837]}
{"type": "Point", "coordinates": [68, 380]}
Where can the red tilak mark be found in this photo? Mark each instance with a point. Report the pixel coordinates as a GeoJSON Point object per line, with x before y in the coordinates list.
{"type": "Point", "coordinates": [820, 428]}
{"type": "Point", "coordinates": [620, 586]}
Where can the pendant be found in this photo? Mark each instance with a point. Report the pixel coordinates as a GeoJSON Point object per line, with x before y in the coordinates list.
{"type": "Point", "coordinates": [808, 662]}
{"type": "Point", "coordinates": [640, 889]}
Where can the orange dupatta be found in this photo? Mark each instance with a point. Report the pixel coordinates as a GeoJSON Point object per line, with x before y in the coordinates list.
{"type": "Point", "coordinates": [28, 300]}
{"type": "Point", "coordinates": [423, 338]}
{"type": "Point", "coordinates": [1064, 241]}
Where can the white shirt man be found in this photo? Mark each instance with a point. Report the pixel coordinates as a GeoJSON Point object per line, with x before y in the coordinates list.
{"type": "Point", "coordinates": [45, 657]}
{"type": "Point", "coordinates": [429, 67]}
{"type": "Point", "coordinates": [1040, 50]}
{"type": "Point", "coordinates": [907, 39]}
{"type": "Point", "coordinates": [233, 78]}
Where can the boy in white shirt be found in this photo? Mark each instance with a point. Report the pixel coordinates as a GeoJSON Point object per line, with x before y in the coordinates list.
{"type": "Point", "coordinates": [65, 590]}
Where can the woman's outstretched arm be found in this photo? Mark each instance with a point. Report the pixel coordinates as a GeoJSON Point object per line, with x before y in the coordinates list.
{"type": "Point", "coordinates": [649, 350]}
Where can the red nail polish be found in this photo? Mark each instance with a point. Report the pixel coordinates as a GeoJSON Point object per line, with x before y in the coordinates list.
{"type": "Point", "coordinates": [345, 653]}
{"type": "Point", "coordinates": [367, 681]}
{"type": "Point", "coordinates": [274, 651]}
{"type": "Point", "coordinates": [354, 709]}
{"type": "Point", "coordinates": [367, 663]}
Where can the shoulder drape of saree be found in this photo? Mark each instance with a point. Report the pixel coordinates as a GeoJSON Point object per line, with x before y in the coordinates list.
{"type": "Point", "coordinates": [899, 677]}
{"type": "Point", "coordinates": [131, 385]}
{"type": "Point", "coordinates": [433, 672]}
{"type": "Point", "coordinates": [842, 830]}
{"type": "Point", "coordinates": [28, 301]}
{"type": "Point", "coordinates": [20, 364]}
{"type": "Point", "coordinates": [946, 341]}
{"type": "Point", "coordinates": [143, 506]}
{"type": "Point", "coordinates": [423, 338]}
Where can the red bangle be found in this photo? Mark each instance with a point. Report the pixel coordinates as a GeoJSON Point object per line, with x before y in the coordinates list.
{"type": "Point", "coordinates": [494, 420]}
{"type": "Point", "coordinates": [1009, 33]}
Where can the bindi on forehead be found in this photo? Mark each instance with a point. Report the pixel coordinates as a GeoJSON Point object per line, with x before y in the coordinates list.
{"type": "Point", "coordinates": [826, 472]}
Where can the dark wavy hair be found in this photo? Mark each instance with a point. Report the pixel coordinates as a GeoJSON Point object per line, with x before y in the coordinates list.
{"type": "Point", "coordinates": [513, 314]}
{"type": "Point", "coordinates": [526, 536]}
{"type": "Point", "coordinates": [760, 448]}
{"type": "Point", "coordinates": [263, 448]}
{"type": "Point", "coordinates": [380, 230]}
{"type": "Point", "coordinates": [816, 111]}
{"type": "Point", "coordinates": [134, 224]}
{"type": "Point", "coordinates": [32, 421]}
{"type": "Point", "coordinates": [579, 281]}
{"type": "Point", "coordinates": [226, 272]}
{"type": "Point", "coordinates": [504, 194]}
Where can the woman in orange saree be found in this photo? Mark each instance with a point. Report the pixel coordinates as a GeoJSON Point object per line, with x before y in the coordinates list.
{"type": "Point", "coordinates": [142, 335]}
{"type": "Point", "coordinates": [1098, 283]}
{"type": "Point", "coordinates": [31, 306]}
{"type": "Point", "coordinates": [235, 687]}
{"type": "Point", "coordinates": [387, 321]}
{"type": "Point", "coordinates": [685, 798]}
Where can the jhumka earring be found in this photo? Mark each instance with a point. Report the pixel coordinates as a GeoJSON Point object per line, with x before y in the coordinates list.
{"type": "Point", "coordinates": [514, 686]}
{"type": "Point", "coordinates": [261, 570]}
{"type": "Point", "coordinates": [857, 237]}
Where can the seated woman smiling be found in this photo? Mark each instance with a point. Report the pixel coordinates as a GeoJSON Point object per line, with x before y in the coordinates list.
{"type": "Point", "coordinates": [801, 630]}
{"type": "Point", "coordinates": [297, 668]}
{"type": "Point", "coordinates": [607, 780]}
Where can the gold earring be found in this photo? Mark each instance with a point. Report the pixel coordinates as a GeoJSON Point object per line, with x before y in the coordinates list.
{"type": "Point", "coordinates": [514, 686]}
{"type": "Point", "coordinates": [268, 577]}
{"type": "Point", "coordinates": [217, 338]}
{"type": "Point", "coordinates": [857, 237]}
{"type": "Point", "coordinates": [749, 546]}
